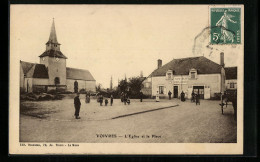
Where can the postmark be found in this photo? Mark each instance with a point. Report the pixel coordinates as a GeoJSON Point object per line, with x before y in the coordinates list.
{"type": "Point", "coordinates": [225, 25]}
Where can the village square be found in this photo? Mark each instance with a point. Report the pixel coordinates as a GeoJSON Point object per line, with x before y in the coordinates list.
{"type": "Point", "coordinates": [189, 99]}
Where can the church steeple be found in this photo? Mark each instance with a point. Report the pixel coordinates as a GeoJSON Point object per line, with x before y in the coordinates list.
{"type": "Point", "coordinates": [53, 36]}
{"type": "Point", "coordinates": [53, 42]}
{"type": "Point", "coordinates": [52, 46]}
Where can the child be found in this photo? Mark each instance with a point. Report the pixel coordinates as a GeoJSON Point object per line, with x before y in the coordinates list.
{"type": "Point", "coordinates": [128, 101]}
{"type": "Point", "coordinates": [106, 102]}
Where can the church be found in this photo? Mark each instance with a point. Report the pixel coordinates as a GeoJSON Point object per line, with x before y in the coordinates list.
{"type": "Point", "coordinates": [52, 73]}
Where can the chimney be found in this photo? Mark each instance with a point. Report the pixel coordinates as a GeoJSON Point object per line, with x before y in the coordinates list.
{"type": "Point", "coordinates": [159, 63]}
{"type": "Point", "coordinates": [222, 59]}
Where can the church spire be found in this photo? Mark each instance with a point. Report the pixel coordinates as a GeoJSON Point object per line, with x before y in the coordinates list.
{"type": "Point", "coordinates": [53, 36]}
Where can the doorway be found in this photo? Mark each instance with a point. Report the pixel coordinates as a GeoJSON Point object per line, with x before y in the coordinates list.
{"type": "Point", "coordinates": [175, 91]}
{"type": "Point", "coordinates": [199, 90]}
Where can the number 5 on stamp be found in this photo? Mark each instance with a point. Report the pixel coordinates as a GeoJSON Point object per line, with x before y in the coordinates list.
{"type": "Point", "coordinates": [225, 25]}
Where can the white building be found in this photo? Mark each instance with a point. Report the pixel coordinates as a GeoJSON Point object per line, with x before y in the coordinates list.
{"type": "Point", "coordinates": [197, 74]}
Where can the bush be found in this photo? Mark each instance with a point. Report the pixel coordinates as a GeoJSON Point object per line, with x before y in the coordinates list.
{"type": "Point", "coordinates": [58, 97]}
{"type": "Point", "coordinates": [82, 91]}
{"type": "Point", "coordinates": [52, 91]}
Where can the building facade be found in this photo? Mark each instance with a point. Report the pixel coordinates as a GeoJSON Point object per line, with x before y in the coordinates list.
{"type": "Point", "coordinates": [197, 74]}
{"type": "Point", "coordinates": [52, 73]}
{"type": "Point", "coordinates": [231, 78]}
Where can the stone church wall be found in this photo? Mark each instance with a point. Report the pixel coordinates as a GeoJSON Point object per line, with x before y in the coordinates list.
{"type": "Point", "coordinates": [82, 84]}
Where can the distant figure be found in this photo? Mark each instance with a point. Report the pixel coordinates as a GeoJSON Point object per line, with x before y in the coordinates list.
{"type": "Point", "coordinates": [170, 95]}
{"type": "Point", "coordinates": [125, 99]}
{"type": "Point", "coordinates": [75, 87]}
{"type": "Point", "coordinates": [141, 96]}
{"type": "Point", "coordinates": [157, 99]}
{"type": "Point", "coordinates": [101, 100]}
{"type": "Point", "coordinates": [77, 104]}
{"type": "Point", "coordinates": [192, 96]}
{"type": "Point", "coordinates": [122, 97]}
{"type": "Point", "coordinates": [182, 96]}
{"type": "Point", "coordinates": [197, 98]}
{"type": "Point", "coordinates": [87, 98]}
{"type": "Point", "coordinates": [106, 102]}
{"type": "Point", "coordinates": [128, 101]}
{"type": "Point", "coordinates": [111, 100]}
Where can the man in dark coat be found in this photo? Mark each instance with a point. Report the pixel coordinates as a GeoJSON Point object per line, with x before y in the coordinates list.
{"type": "Point", "coordinates": [111, 100]}
{"type": "Point", "coordinates": [101, 100]}
{"type": "Point", "coordinates": [77, 104]}
{"type": "Point", "coordinates": [192, 96]}
{"type": "Point", "coordinates": [182, 96]}
{"type": "Point", "coordinates": [141, 96]}
{"type": "Point", "coordinates": [197, 98]}
{"type": "Point", "coordinates": [170, 94]}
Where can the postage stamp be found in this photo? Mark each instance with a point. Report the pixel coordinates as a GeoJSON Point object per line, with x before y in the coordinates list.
{"type": "Point", "coordinates": [225, 25]}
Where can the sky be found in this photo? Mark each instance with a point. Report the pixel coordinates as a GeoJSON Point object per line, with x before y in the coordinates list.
{"type": "Point", "coordinates": [115, 40]}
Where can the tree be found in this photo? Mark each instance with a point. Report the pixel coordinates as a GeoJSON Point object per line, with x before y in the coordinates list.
{"type": "Point", "coordinates": [98, 87]}
{"type": "Point", "coordinates": [123, 85]}
{"type": "Point", "coordinates": [135, 85]}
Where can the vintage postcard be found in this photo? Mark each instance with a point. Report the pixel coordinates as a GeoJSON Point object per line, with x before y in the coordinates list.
{"type": "Point", "coordinates": [126, 79]}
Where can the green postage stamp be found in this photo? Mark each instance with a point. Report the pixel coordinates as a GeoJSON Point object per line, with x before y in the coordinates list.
{"type": "Point", "coordinates": [225, 25]}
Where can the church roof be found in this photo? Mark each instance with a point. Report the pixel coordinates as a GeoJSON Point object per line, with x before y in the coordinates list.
{"type": "Point", "coordinates": [183, 66]}
{"type": "Point", "coordinates": [79, 74]}
{"type": "Point", "coordinates": [26, 66]}
{"type": "Point", "coordinates": [231, 72]}
{"type": "Point", "coordinates": [53, 53]}
{"type": "Point", "coordinates": [32, 70]}
{"type": "Point", "coordinates": [53, 36]}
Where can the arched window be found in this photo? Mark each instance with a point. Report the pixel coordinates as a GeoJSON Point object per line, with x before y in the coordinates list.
{"type": "Point", "coordinates": [57, 80]}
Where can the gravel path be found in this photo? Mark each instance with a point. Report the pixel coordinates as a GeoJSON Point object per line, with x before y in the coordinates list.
{"type": "Point", "coordinates": [184, 123]}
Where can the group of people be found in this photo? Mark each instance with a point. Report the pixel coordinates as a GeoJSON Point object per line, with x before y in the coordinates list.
{"type": "Point", "coordinates": [101, 98]}
{"type": "Point", "coordinates": [125, 98]}
{"type": "Point", "coordinates": [182, 96]}
{"type": "Point", "coordinates": [195, 98]}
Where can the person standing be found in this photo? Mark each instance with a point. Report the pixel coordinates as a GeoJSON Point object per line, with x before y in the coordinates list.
{"type": "Point", "coordinates": [111, 100]}
{"type": "Point", "coordinates": [128, 100]}
{"type": "Point", "coordinates": [125, 98]}
{"type": "Point", "coordinates": [192, 96]}
{"type": "Point", "coordinates": [197, 98]}
{"type": "Point", "coordinates": [182, 96]}
{"type": "Point", "coordinates": [101, 100]}
{"type": "Point", "coordinates": [77, 104]}
{"type": "Point", "coordinates": [106, 102]}
{"type": "Point", "coordinates": [122, 97]}
{"type": "Point", "coordinates": [169, 93]}
{"type": "Point", "coordinates": [141, 96]}
{"type": "Point", "coordinates": [157, 97]}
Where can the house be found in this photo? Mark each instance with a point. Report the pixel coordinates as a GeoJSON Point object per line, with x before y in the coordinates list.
{"type": "Point", "coordinates": [231, 78]}
{"type": "Point", "coordinates": [197, 74]}
{"type": "Point", "coordinates": [52, 74]}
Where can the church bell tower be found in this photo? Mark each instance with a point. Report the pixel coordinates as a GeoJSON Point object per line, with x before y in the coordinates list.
{"type": "Point", "coordinates": [54, 60]}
